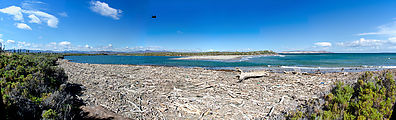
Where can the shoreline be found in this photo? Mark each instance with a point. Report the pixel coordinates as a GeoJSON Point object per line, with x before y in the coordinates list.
{"type": "Point", "coordinates": [190, 93]}
{"type": "Point", "coordinates": [217, 57]}
{"type": "Point", "coordinates": [278, 69]}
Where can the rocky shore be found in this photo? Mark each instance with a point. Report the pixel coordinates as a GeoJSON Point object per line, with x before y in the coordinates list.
{"type": "Point", "coordinates": [159, 92]}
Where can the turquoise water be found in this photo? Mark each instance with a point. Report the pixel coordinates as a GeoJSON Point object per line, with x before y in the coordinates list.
{"type": "Point", "coordinates": [307, 61]}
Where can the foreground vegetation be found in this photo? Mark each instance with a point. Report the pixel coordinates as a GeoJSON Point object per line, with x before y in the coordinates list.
{"type": "Point", "coordinates": [33, 87]}
{"type": "Point", "coordinates": [372, 97]}
{"type": "Point", "coordinates": [266, 52]}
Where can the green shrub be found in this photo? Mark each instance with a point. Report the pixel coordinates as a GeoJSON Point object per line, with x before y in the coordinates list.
{"type": "Point", "coordinates": [372, 97]}
{"type": "Point", "coordinates": [49, 114]}
{"type": "Point", "coordinates": [31, 88]}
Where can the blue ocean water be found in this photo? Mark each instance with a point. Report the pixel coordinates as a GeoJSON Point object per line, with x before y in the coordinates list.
{"type": "Point", "coordinates": [286, 61]}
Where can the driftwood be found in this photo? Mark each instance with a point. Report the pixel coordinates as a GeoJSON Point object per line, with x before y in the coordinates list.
{"type": "Point", "coordinates": [157, 92]}
{"type": "Point", "coordinates": [246, 75]}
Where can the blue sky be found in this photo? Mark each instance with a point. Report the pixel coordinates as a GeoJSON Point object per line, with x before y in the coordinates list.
{"type": "Point", "coordinates": [199, 25]}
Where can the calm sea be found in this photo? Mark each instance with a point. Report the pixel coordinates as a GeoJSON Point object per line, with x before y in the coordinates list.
{"type": "Point", "coordinates": [304, 62]}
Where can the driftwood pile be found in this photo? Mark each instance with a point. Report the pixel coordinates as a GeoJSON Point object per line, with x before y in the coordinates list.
{"type": "Point", "coordinates": [156, 92]}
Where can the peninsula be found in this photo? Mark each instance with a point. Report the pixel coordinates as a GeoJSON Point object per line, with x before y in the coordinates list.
{"type": "Point", "coordinates": [217, 53]}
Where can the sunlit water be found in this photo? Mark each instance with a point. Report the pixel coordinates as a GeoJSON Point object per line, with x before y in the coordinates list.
{"type": "Point", "coordinates": [329, 62]}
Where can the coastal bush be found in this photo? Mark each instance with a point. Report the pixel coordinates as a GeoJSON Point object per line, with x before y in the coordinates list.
{"type": "Point", "coordinates": [33, 87]}
{"type": "Point", "coordinates": [371, 97]}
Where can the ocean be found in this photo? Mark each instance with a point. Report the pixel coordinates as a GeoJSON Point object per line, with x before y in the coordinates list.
{"type": "Point", "coordinates": [324, 62]}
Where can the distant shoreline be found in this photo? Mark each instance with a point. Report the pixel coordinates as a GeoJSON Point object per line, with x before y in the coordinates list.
{"type": "Point", "coordinates": [265, 52]}
{"type": "Point", "coordinates": [217, 57]}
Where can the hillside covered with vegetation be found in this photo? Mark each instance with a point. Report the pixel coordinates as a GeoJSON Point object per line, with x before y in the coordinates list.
{"type": "Point", "coordinates": [371, 98]}
{"type": "Point", "coordinates": [33, 87]}
{"type": "Point", "coordinates": [265, 52]}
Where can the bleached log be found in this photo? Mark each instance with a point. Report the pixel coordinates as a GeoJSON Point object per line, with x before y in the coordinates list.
{"type": "Point", "coordinates": [245, 75]}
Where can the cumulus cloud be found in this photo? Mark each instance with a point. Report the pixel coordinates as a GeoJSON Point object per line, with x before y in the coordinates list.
{"type": "Point", "coordinates": [323, 44]}
{"type": "Point", "coordinates": [11, 41]}
{"type": "Point", "coordinates": [386, 30]}
{"type": "Point", "coordinates": [23, 26]}
{"type": "Point", "coordinates": [87, 46]}
{"type": "Point", "coordinates": [34, 19]}
{"type": "Point", "coordinates": [36, 16]}
{"type": "Point", "coordinates": [14, 11]}
{"type": "Point", "coordinates": [105, 10]}
{"type": "Point", "coordinates": [363, 43]}
{"type": "Point", "coordinates": [392, 40]}
{"type": "Point", "coordinates": [65, 43]}
{"type": "Point", "coordinates": [23, 44]}
{"type": "Point", "coordinates": [52, 43]}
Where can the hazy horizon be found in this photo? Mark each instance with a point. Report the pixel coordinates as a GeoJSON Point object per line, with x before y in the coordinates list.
{"type": "Point", "coordinates": [199, 26]}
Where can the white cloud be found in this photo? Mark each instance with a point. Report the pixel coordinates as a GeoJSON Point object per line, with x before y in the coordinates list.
{"type": "Point", "coordinates": [15, 11]}
{"type": "Point", "coordinates": [392, 40]}
{"type": "Point", "coordinates": [23, 26]}
{"type": "Point", "coordinates": [104, 9]}
{"type": "Point", "coordinates": [52, 43]}
{"type": "Point", "coordinates": [387, 29]}
{"type": "Point", "coordinates": [33, 5]}
{"type": "Point", "coordinates": [65, 43]}
{"type": "Point", "coordinates": [110, 45]}
{"type": "Point", "coordinates": [1, 40]}
{"type": "Point", "coordinates": [11, 41]}
{"type": "Point", "coordinates": [51, 20]}
{"type": "Point", "coordinates": [1, 35]}
{"type": "Point", "coordinates": [34, 19]}
{"type": "Point", "coordinates": [210, 50]}
{"type": "Point", "coordinates": [87, 46]}
{"type": "Point", "coordinates": [34, 15]}
{"type": "Point", "coordinates": [23, 44]}
{"type": "Point", "coordinates": [363, 43]}
{"type": "Point", "coordinates": [63, 14]}
{"type": "Point", "coordinates": [323, 44]}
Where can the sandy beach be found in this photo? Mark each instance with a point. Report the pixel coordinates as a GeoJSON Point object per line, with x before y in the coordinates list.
{"type": "Point", "coordinates": [158, 92]}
